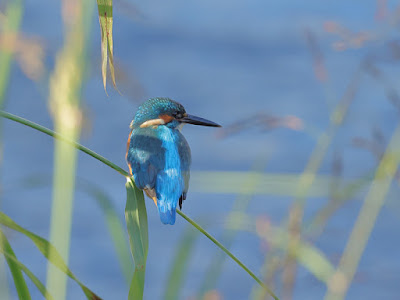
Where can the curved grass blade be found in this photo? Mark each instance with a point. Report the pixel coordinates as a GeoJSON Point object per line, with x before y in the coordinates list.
{"type": "Point", "coordinates": [113, 222]}
{"type": "Point", "coordinates": [309, 256]}
{"type": "Point", "coordinates": [308, 177]}
{"type": "Point", "coordinates": [346, 193]}
{"type": "Point", "coordinates": [19, 266]}
{"type": "Point", "coordinates": [242, 201]}
{"type": "Point", "coordinates": [340, 281]}
{"type": "Point", "coordinates": [106, 23]}
{"type": "Point", "coordinates": [19, 280]}
{"type": "Point", "coordinates": [114, 225]}
{"type": "Point", "coordinates": [230, 254]}
{"type": "Point", "coordinates": [55, 135]}
{"type": "Point", "coordinates": [126, 175]}
{"type": "Point", "coordinates": [9, 28]}
{"type": "Point", "coordinates": [179, 265]}
{"type": "Point", "coordinates": [45, 248]}
{"type": "Point", "coordinates": [136, 222]}
{"type": "Point", "coordinates": [279, 184]}
{"type": "Point", "coordinates": [306, 254]}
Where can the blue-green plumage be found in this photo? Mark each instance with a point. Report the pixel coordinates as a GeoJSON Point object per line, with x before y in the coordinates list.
{"type": "Point", "coordinates": [158, 154]}
{"type": "Point", "coordinates": [160, 162]}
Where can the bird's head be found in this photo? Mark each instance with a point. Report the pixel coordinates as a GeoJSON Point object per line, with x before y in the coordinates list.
{"type": "Point", "coordinates": [164, 111]}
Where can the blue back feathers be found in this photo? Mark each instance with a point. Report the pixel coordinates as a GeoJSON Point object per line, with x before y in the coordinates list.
{"type": "Point", "coordinates": [170, 183]}
{"type": "Point", "coordinates": [160, 157]}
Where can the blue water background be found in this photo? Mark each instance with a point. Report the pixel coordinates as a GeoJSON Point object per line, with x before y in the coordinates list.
{"type": "Point", "coordinates": [223, 60]}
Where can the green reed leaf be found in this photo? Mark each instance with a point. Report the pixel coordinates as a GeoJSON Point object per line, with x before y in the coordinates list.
{"type": "Point", "coordinates": [341, 279]}
{"type": "Point", "coordinates": [19, 280]}
{"type": "Point", "coordinates": [10, 257]}
{"type": "Point", "coordinates": [46, 248]}
{"type": "Point", "coordinates": [62, 138]}
{"type": "Point", "coordinates": [230, 254]}
{"type": "Point", "coordinates": [180, 262]}
{"type": "Point", "coordinates": [136, 222]}
{"type": "Point", "coordinates": [248, 186]}
{"type": "Point", "coordinates": [306, 254]}
{"type": "Point", "coordinates": [277, 184]}
{"type": "Point", "coordinates": [10, 26]}
{"type": "Point", "coordinates": [309, 256]}
{"type": "Point", "coordinates": [106, 23]}
{"type": "Point", "coordinates": [114, 224]}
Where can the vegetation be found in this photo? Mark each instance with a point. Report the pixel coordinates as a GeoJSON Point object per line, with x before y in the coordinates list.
{"type": "Point", "coordinates": [290, 243]}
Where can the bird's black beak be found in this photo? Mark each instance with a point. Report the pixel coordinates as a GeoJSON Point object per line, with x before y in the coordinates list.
{"type": "Point", "coordinates": [189, 119]}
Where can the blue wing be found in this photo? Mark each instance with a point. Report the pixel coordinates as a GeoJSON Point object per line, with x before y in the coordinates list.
{"type": "Point", "coordinates": [160, 162]}
{"type": "Point", "coordinates": [145, 156]}
{"type": "Point", "coordinates": [186, 160]}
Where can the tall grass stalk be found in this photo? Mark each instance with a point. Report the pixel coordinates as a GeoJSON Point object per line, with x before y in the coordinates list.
{"type": "Point", "coordinates": [306, 180]}
{"type": "Point", "coordinates": [177, 271]}
{"type": "Point", "coordinates": [230, 254]}
{"type": "Point", "coordinates": [340, 281]}
{"type": "Point", "coordinates": [344, 194]}
{"type": "Point", "coordinates": [271, 265]}
{"type": "Point", "coordinates": [309, 256]}
{"type": "Point", "coordinates": [242, 201]}
{"type": "Point", "coordinates": [8, 31]}
{"type": "Point", "coordinates": [65, 88]}
{"type": "Point", "coordinates": [274, 261]}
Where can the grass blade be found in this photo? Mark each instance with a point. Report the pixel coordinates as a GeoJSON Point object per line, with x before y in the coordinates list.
{"type": "Point", "coordinates": [180, 262]}
{"type": "Point", "coordinates": [230, 254]}
{"type": "Point", "coordinates": [279, 184]}
{"type": "Point", "coordinates": [64, 139]}
{"type": "Point", "coordinates": [19, 280]}
{"type": "Point", "coordinates": [317, 224]}
{"type": "Point", "coordinates": [242, 201]}
{"type": "Point", "coordinates": [340, 281]}
{"type": "Point", "coordinates": [114, 224]}
{"type": "Point", "coordinates": [136, 222]}
{"type": "Point", "coordinates": [45, 248]}
{"type": "Point", "coordinates": [106, 23]}
{"type": "Point", "coordinates": [10, 28]}
{"type": "Point", "coordinates": [306, 254]}
{"type": "Point", "coordinates": [307, 179]}
{"type": "Point", "coordinates": [18, 266]}
{"type": "Point", "coordinates": [66, 83]}
{"type": "Point", "coordinates": [309, 256]}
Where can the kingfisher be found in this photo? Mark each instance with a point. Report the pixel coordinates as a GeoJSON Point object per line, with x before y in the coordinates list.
{"type": "Point", "coordinates": [158, 155]}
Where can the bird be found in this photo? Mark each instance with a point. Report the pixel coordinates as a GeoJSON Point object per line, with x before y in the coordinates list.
{"type": "Point", "coordinates": [158, 155]}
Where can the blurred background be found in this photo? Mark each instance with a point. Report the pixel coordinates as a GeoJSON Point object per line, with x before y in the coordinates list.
{"type": "Point", "coordinates": [307, 93]}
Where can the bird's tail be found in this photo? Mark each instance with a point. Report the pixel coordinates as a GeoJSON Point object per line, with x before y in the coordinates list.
{"type": "Point", "coordinates": [167, 212]}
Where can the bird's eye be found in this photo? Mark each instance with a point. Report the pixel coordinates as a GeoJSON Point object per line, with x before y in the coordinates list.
{"type": "Point", "coordinates": [178, 115]}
